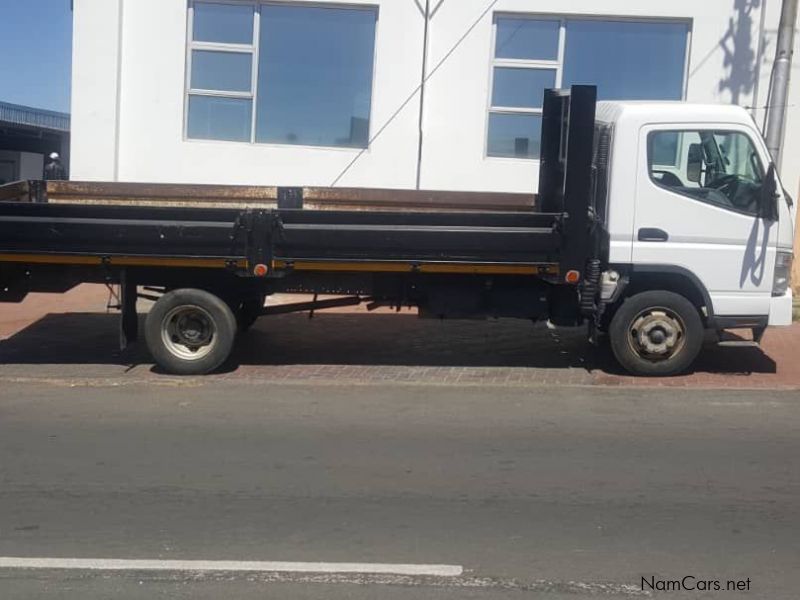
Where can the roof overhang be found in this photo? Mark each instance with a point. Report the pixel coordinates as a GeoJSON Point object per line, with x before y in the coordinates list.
{"type": "Point", "coordinates": [26, 116]}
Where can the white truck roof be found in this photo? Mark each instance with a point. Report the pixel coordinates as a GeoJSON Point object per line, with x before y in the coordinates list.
{"type": "Point", "coordinates": [645, 112]}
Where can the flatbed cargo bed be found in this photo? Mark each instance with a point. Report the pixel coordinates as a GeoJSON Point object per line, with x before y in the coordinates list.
{"type": "Point", "coordinates": [241, 197]}
{"type": "Point", "coordinates": [114, 235]}
{"type": "Point", "coordinates": [272, 231]}
{"type": "Point", "coordinates": [209, 255]}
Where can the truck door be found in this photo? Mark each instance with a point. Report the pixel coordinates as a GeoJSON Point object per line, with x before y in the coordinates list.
{"type": "Point", "coordinates": [696, 210]}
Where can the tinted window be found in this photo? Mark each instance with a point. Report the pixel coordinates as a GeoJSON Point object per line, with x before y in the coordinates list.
{"type": "Point", "coordinates": [665, 149]}
{"type": "Point", "coordinates": [626, 60]}
{"type": "Point", "coordinates": [514, 135]}
{"type": "Point", "coordinates": [224, 71]}
{"type": "Point", "coordinates": [523, 88]}
{"type": "Point", "coordinates": [315, 75]}
{"type": "Point", "coordinates": [223, 23]}
{"type": "Point", "coordinates": [314, 81]}
{"type": "Point", "coordinates": [527, 39]}
{"type": "Point", "coordinates": [213, 118]}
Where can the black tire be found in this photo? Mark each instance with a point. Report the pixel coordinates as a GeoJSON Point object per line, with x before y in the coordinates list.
{"type": "Point", "coordinates": [190, 332]}
{"type": "Point", "coordinates": [656, 334]}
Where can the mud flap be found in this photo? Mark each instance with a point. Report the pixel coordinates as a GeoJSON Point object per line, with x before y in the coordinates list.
{"type": "Point", "coordinates": [129, 319]}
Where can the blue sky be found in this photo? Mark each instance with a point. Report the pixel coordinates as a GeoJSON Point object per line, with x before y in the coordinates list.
{"type": "Point", "coordinates": [36, 51]}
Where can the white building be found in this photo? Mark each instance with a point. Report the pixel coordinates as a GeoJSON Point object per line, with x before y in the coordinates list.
{"type": "Point", "coordinates": [27, 136]}
{"type": "Point", "coordinates": [325, 92]}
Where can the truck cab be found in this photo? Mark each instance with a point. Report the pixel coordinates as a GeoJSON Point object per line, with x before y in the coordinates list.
{"type": "Point", "coordinates": [693, 205]}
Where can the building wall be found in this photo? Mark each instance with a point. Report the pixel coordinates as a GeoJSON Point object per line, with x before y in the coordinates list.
{"type": "Point", "coordinates": [9, 166]}
{"type": "Point", "coordinates": [149, 145]}
{"type": "Point", "coordinates": [31, 165]}
{"type": "Point", "coordinates": [130, 67]}
{"type": "Point", "coordinates": [96, 72]}
{"type": "Point", "coordinates": [22, 165]}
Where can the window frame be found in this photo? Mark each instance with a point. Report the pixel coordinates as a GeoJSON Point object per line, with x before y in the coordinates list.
{"type": "Point", "coordinates": [519, 63]}
{"type": "Point", "coordinates": [650, 165]}
{"type": "Point", "coordinates": [255, 48]}
{"type": "Point", "coordinates": [558, 64]}
{"type": "Point", "coordinates": [252, 49]}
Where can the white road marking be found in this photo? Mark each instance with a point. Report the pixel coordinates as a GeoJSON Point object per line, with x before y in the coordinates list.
{"type": "Point", "coordinates": [112, 564]}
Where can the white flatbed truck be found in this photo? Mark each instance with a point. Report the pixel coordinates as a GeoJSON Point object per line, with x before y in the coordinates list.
{"type": "Point", "coordinates": [654, 224]}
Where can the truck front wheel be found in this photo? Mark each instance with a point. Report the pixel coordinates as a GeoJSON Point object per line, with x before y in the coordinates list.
{"type": "Point", "coordinates": [190, 332]}
{"type": "Point", "coordinates": [656, 333]}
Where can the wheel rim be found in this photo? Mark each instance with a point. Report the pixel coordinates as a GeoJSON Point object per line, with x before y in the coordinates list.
{"type": "Point", "coordinates": [189, 332]}
{"type": "Point", "coordinates": [657, 334]}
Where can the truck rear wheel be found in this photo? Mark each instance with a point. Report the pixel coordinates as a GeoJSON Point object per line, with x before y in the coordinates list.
{"type": "Point", "coordinates": [656, 333]}
{"type": "Point", "coordinates": [190, 332]}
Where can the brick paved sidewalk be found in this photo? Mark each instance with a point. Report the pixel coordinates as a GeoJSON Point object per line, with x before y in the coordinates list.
{"type": "Point", "coordinates": [69, 336]}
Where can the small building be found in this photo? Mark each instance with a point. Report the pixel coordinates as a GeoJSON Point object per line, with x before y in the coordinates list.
{"type": "Point", "coordinates": [371, 93]}
{"type": "Point", "coordinates": [27, 136]}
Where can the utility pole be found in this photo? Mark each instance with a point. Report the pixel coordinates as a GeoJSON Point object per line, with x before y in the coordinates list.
{"type": "Point", "coordinates": [423, 80]}
{"type": "Point", "coordinates": [781, 74]}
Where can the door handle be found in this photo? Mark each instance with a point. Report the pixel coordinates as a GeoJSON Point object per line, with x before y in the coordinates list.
{"type": "Point", "coordinates": [652, 234]}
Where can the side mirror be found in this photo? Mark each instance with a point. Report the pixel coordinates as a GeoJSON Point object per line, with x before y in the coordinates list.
{"type": "Point", "coordinates": [694, 163]}
{"type": "Point", "coordinates": [768, 202]}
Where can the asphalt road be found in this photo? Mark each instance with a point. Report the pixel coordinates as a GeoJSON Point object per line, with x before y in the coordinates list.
{"type": "Point", "coordinates": [537, 492]}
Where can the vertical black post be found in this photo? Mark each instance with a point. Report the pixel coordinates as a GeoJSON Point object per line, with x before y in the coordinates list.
{"type": "Point", "coordinates": [290, 197]}
{"type": "Point", "coordinates": [578, 243]}
{"type": "Point", "coordinates": [129, 319]}
{"type": "Point", "coordinates": [551, 167]}
{"type": "Point", "coordinates": [37, 191]}
{"type": "Point", "coordinates": [261, 226]}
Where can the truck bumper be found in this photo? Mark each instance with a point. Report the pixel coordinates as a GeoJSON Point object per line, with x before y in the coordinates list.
{"type": "Point", "coordinates": [780, 310]}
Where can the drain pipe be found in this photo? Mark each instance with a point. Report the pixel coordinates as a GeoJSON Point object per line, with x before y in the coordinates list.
{"type": "Point", "coordinates": [781, 74]}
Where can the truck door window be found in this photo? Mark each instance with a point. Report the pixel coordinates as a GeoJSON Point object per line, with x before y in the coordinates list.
{"type": "Point", "coordinates": [716, 167]}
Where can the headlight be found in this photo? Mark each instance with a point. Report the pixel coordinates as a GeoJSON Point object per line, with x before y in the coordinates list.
{"type": "Point", "coordinates": [783, 273]}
